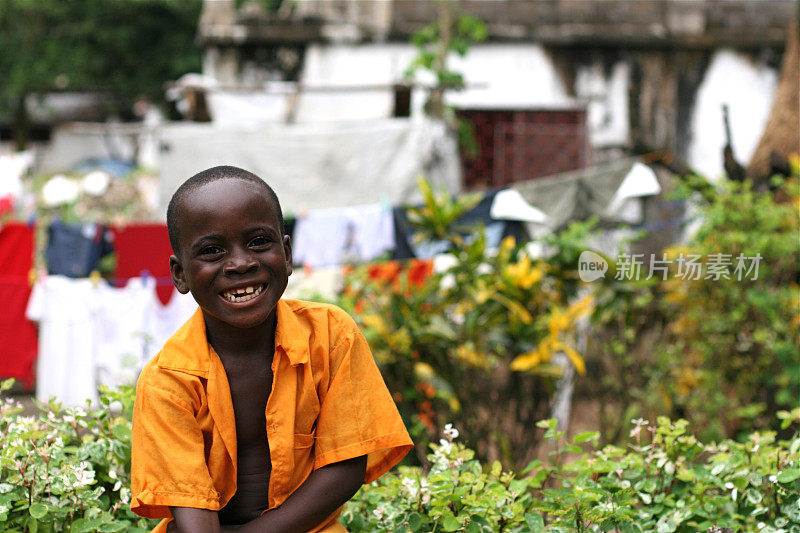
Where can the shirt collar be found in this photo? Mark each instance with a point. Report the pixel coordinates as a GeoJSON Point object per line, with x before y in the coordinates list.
{"type": "Point", "coordinates": [189, 351]}
{"type": "Point", "coordinates": [289, 333]}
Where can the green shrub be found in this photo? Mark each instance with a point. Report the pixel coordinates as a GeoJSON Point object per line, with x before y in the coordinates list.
{"type": "Point", "coordinates": [67, 469]}
{"type": "Point", "coordinates": [667, 481]}
{"type": "Point", "coordinates": [474, 342]}
{"type": "Point", "coordinates": [722, 353]}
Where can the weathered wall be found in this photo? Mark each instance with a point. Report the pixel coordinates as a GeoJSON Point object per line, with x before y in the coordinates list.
{"type": "Point", "coordinates": [651, 74]}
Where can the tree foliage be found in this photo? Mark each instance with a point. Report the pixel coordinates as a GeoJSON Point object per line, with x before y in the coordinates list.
{"type": "Point", "coordinates": [123, 48]}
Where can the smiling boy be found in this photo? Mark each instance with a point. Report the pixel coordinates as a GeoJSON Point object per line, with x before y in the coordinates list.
{"type": "Point", "coordinates": [259, 414]}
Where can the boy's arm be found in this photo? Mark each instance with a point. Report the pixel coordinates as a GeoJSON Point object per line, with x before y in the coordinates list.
{"type": "Point", "coordinates": [325, 490]}
{"type": "Point", "coordinates": [191, 520]}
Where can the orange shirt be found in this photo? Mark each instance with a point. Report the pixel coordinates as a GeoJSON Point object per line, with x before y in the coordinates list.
{"type": "Point", "coordinates": [328, 403]}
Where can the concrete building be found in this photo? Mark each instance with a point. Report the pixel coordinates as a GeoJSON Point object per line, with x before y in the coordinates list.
{"type": "Point", "coordinates": [639, 74]}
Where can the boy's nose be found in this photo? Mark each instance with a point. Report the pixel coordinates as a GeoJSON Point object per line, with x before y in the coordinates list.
{"type": "Point", "coordinates": [239, 263]}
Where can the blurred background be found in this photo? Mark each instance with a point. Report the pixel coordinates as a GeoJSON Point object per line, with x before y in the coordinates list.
{"type": "Point", "coordinates": [443, 167]}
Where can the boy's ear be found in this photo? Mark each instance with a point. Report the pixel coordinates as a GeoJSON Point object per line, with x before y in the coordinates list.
{"type": "Point", "coordinates": [287, 249]}
{"type": "Point", "coordinates": [178, 275]}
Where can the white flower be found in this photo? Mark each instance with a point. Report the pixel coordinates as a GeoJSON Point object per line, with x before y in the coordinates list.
{"type": "Point", "coordinates": [450, 432]}
{"type": "Point", "coordinates": [411, 486]}
{"type": "Point", "coordinates": [59, 190]}
{"type": "Point", "coordinates": [446, 446]}
{"type": "Point", "coordinates": [605, 507]}
{"type": "Point", "coordinates": [484, 268]}
{"type": "Point", "coordinates": [95, 183]}
{"type": "Point", "coordinates": [84, 475]}
{"type": "Point", "coordinates": [125, 495]}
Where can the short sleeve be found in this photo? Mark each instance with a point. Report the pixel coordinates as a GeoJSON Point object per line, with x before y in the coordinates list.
{"type": "Point", "coordinates": [168, 465]}
{"type": "Point", "coordinates": [357, 414]}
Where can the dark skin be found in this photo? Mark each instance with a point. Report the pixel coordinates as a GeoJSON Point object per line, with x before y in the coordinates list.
{"type": "Point", "coordinates": [235, 261]}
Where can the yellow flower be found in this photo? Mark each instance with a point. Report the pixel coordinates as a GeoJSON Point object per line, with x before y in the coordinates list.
{"type": "Point", "coordinates": [467, 353]}
{"type": "Point", "coordinates": [423, 370]}
{"type": "Point", "coordinates": [577, 360]}
{"type": "Point", "coordinates": [529, 360]}
{"type": "Point", "coordinates": [687, 380]}
{"type": "Point", "coordinates": [523, 274]}
{"type": "Point", "coordinates": [375, 322]}
{"type": "Point", "coordinates": [557, 323]}
{"type": "Point", "coordinates": [580, 309]}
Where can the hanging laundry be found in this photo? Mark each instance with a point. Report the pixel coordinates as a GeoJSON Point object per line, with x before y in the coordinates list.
{"type": "Point", "coordinates": [372, 231]}
{"type": "Point", "coordinates": [320, 238]}
{"type": "Point", "coordinates": [120, 322]}
{"type": "Point", "coordinates": [91, 333]}
{"type": "Point", "coordinates": [65, 367]}
{"type": "Point", "coordinates": [166, 319]}
{"type": "Point", "coordinates": [335, 236]}
{"type": "Point", "coordinates": [75, 250]}
{"type": "Point", "coordinates": [18, 336]}
{"type": "Point", "coordinates": [403, 234]}
{"type": "Point", "coordinates": [144, 248]}
{"type": "Point", "coordinates": [12, 168]}
{"type": "Point", "coordinates": [496, 230]}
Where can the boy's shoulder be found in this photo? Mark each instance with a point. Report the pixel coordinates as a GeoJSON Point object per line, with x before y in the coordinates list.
{"type": "Point", "coordinates": [302, 315]}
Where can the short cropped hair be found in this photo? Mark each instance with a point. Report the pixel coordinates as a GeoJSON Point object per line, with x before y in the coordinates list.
{"type": "Point", "coordinates": [208, 176]}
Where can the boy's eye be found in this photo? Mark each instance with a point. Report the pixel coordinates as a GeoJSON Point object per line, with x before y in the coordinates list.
{"type": "Point", "coordinates": [260, 242]}
{"type": "Point", "coordinates": [211, 250]}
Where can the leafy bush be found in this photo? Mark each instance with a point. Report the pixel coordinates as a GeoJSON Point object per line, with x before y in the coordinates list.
{"type": "Point", "coordinates": [67, 469]}
{"type": "Point", "coordinates": [667, 481]}
{"type": "Point", "coordinates": [474, 342]}
{"type": "Point", "coordinates": [721, 352]}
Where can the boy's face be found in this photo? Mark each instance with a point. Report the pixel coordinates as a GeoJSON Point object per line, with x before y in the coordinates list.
{"type": "Point", "coordinates": [233, 257]}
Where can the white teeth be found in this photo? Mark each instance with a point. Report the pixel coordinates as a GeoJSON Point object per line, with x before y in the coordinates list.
{"type": "Point", "coordinates": [242, 295]}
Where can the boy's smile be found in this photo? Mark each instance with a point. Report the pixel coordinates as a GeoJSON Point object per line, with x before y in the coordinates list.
{"type": "Point", "coordinates": [233, 256]}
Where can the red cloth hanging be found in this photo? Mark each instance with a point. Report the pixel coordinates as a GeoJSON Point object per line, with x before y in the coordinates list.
{"type": "Point", "coordinates": [144, 247]}
{"type": "Point", "coordinates": [18, 335]}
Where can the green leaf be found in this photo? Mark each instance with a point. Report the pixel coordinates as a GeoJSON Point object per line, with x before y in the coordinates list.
{"type": "Point", "coordinates": [122, 432]}
{"type": "Point", "coordinates": [585, 436]}
{"type": "Point", "coordinates": [472, 527]}
{"type": "Point", "coordinates": [451, 523]}
{"type": "Point", "coordinates": [787, 476]}
{"type": "Point", "coordinates": [112, 526]}
{"type": "Point", "coordinates": [86, 525]}
{"type": "Point", "coordinates": [535, 522]}
{"type": "Point", "coordinates": [38, 510]}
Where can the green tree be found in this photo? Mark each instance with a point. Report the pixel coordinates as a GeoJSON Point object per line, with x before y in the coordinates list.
{"type": "Point", "coordinates": [123, 48]}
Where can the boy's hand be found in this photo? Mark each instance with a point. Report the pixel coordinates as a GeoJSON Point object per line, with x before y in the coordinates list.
{"type": "Point", "coordinates": [325, 490]}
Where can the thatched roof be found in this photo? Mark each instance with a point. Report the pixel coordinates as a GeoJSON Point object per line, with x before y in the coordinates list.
{"type": "Point", "coordinates": [782, 132]}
